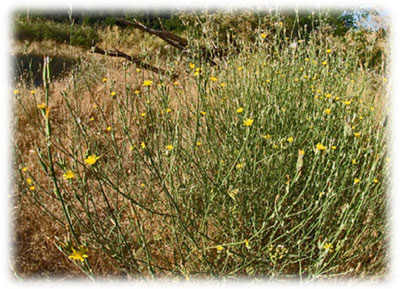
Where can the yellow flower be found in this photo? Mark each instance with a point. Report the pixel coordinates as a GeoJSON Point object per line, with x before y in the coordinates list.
{"type": "Point", "coordinates": [24, 169]}
{"type": "Point", "coordinates": [375, 181]}
{"type": "Point", "coordinates": [94, 105]}
{"type": "Point", "coordinates": [212, 78]}
{"type": "Point", "coordinates": [239, 110]}
{"type": "Point", "coordinates": [222, 84]}
{"type": "Point", "coordinates": [142, 185]}
{"type": "Point", "coordinates": [192, 65]}
{"type": "Point", "coordinates": [29, 181]}
{"type": "Point", "coordinates": [290, 139]}
{"type": "Point", "coordinates": [16, 91]}
{"type": "Point", "coordinates": [108, 128]}
{"type": "Point", "coordinates": [168, 110]}
{"type": "Point", "coordinates": [324, 63]}
{"type": "Point", "coordinates": [320, 147]}
{"type": "Point", "coordinates": [327, 111]}
{"type": "Point", "coordinates": [147, 83]}
{"type": "Point", "coordinates": [143, 114]}
{"type": "Point", "coordinates": [91, 119]}
{"type": "Point", "coordinates": [307, 59]}
{"type": "Point", "coordinates": [268, 81]}
{"type": "Point", "coordinates": [41, 106]}
{"type": "Point", "coordinates": [169, 147]}
{"type": "Point", "coordinates": [328, 51]}
{"type": "Point", "coordinates": [263, 35]}
{"type": "Point", "coordinates": [198, 143]}
{"type": "Point", "coordinates": [239, 166]}
{"type": "Point", "coordinates": [91, 160]}
{"type": "Point", "coordinates": [219, 248]}
{"type": "Point", "coordinates": [137, 92]}
{"type": "Point", "coordinates": [79, 254]}
{"type": "Point", "coordinates": [240, 68]}
{"type": "Point", "coordinates": [246, 243]}
{"type": "Point", "coordinates": [347, 102]}
{"type": "Point", "coordinates": [113, 93]}
{"type": "Point", "coordinates": [357, 134]}
{"type": "Point", "coordinates": [356, 181]}
{"type": "Point", "coordinates": [104, 79]}
{"type": "Point", "coordinates": [32, 188]}
{"type": "Point", "coordinates": [203, 113]}
{"type": "Point", "coordinates": [267, 136]}
{"type": "Point", "coordinates": [328, 247]}
{"type": "Point", "coordinates": [138, 70]}
{"type": "Point", "coordinates": [385, 79]}
{"type": "Point", "coordinates": [33, 92]}
{"type": "Point", "coordinates": [248, 122]}
{"type": "Point", "coordinates": [69, 175]}
{"type": "Point", "coordinates": [372, 108]}
{"type": "Point", "coordinates": [175, 83]}
{"type": "Point", "coordinates": [328, 95]}
{"type": "Point", "coordinates": [143, 145]}
{"type": "Point", "coordinates": [301, 152]}
{"type": "Point", "coordinates": [354, 161]}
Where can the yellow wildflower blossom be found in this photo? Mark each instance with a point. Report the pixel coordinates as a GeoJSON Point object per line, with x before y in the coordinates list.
{"type": "Point", "coordinates": [32, 188]}
{"type": "Point", "coordinates": [328, 51]}
{"type": "Point", "coordinates": [263, 35]}
{"type": "Point", "coordinates": [33, 92]}
{"type": "Point", "coordinates": [239, 110]}
{"type": "Point", "coordinates": [320, 147]}
{"type": "Point", "coordinates": [327, 111]}
{"type": "Point", "coordinates": [239, 166]}
{"type": "Point", "coordinates": [248, 122]}
{"type": "Point", "coordinates": [328, 247]}
{"type": "Point", "coordinates": [138, 70]}
{"type": "Point", "coordinates": [29, 181]}
{"type": "Point", "coordinates": [147, 83]}
{"type": "Point", "coordinates": [79, 254]}
{"type": "Point", "coordinates": [219, 248]}
{"type": "Point", "coordinates": [69, 175]}
{"type": "Point", "coordinates": [246, 243]}
{"type": "Point", "coordinates": [16, 91]}
{"type": "Point", "coordinates": [41, 106]}
{"type": "Point", "coordinates": [169, 147]}
{"type": "Point", "coordinates": [357, 134]}
{"type": "Point", "coordinates": [113, 93]}
{"type": "Point", "coordinates": [143, 145]}
{"type": "Point", "coordinates": [91, 160]}
{"type": "Point", "coordinates": [213, 78]}
{"type": "Point", "coordinates": [267, 136]}
{"type": "Point", "coordinates": [290, 139]}
{"type": "Point", "coordinates": [356, 181]}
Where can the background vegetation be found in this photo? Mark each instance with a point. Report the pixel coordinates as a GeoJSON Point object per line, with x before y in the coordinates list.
{"type": "Point", "coordinates": [269, 161]}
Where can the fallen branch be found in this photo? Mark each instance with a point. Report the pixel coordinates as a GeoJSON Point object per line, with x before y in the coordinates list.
{"type": "Point", "coordinates": [172, 39]}
{"type": "Point", "coordinates": [135, 60]}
